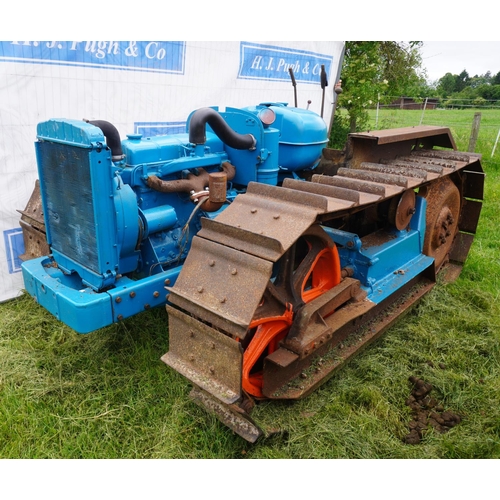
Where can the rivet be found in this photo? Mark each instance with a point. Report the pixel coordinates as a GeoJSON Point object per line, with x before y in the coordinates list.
{"type": "Point", "coordinates": [276, 216]}
{"type": "Point", "coordinates": [254, 210]}
{"type": "Point", "coordinates": [211, 263]}
{"type": "Point", "coordinates": [132, 295]}
{"type": "Point", "coordinates": [212, 370]}
{"type": "Point", "coordinates": [147, 306]}
{"type": "Point", "coordinates": [223, 300]}
{"type": "Point", "coordinates": [167, 282]}
{"type": "Point", "coordinates": [118, 300]}
{"type": "Point", "coordinates": [200, 289]}
{"type": "Point", "coordinates": [234, 271]}
{"type": "Point", "coordinates": [156, 294]}
{"type": "Point", "coordinates": [119, 317]}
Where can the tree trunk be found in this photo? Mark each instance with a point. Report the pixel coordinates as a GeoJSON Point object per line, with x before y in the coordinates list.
{"type": "Point", "coordinates": [352, 123]}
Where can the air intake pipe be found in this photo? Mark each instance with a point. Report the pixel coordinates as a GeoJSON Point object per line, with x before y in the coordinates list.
{"type": "Point", "coordinates": [113, 140]}
{"type": "Point", "coordinates": [197, 130]}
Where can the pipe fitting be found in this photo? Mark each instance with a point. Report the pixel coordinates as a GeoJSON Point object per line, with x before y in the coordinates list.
{"type": "Point", "coordinates": [196, 186]}
{"type": "Point", "coordinates": [197, 130]}
{"type": "Point", "coordinates": [112, 136]}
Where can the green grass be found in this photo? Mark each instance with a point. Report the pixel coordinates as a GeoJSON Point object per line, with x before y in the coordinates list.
{"type": "Point", "coordinates": [108, 395]}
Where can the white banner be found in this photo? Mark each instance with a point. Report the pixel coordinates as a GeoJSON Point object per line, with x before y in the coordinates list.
{"type": "Point", "coordinates": [146, 87]}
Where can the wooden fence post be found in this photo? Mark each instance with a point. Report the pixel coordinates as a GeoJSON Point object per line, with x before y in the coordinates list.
{"type": "Point", "coordinates": [474, 132]}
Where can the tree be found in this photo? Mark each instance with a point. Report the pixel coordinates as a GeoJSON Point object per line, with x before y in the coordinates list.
{"type": "Point", "coordinates": [446, 85]}
{"type": "Point", "coordinates": [373, 69]}
{"type": "Point", "coordinates": [462, 81]}
{"type": "Point", "coordinates": [401, 67]}
{"type": "Point", "coordinates": [361, 80]}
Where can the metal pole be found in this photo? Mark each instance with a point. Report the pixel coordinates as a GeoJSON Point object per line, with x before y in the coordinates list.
{"type": "Point", "coordinates": [495, 146]}
{"type": "Point", "coordinates": [423, 111]}
{"type": "Point", "coordinates": [474, 132]}
{"type": "Point", "coordinates": [294, 83]}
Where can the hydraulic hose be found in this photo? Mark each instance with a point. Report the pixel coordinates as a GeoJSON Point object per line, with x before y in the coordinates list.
{"type": "Point", "coordinates": [197, 130]}
{"type": "Point", "coordinates": [113, 140]}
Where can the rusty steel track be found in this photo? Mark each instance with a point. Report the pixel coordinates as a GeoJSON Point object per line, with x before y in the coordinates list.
{"type": "Point", "coordinates": [227, 288]}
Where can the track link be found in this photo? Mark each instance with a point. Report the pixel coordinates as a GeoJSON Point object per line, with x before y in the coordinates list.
{"type": "Point", "coordinates": [230, 273]}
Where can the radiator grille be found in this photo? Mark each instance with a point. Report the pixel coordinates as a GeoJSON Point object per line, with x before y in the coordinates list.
{"type": "Point", "coordinates": [70, 215]}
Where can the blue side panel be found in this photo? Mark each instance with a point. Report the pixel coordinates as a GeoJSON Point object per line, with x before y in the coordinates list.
{"type": "Point", "coordinates": [85, 310]}
{"type": "Point", "coordinates": [14, 246]}
{"type": "Point", "coordinates": [80, 308]}
{"type": "Point", "coordinates": [383, 268]}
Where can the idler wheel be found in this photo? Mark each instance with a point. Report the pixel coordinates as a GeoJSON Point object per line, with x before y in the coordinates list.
{"type": "Point", "coordinates": [402, 209]}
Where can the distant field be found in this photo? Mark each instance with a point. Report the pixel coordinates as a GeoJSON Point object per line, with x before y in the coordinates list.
{"type": "Point", "coordinates": [459, 122]}
{"type": "Point", "coordinates": [108, 395]}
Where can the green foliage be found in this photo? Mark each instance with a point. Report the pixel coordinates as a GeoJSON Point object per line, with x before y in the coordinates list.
{"type": "Point", "coordinates": [372, 70]}
{"type": "Point", "coordinates": [339, 131]}
{"type": "Point", "coordinates": [362, 80]}
{"type": "Point", "coordinates": [462, 90]}
{"type": "Point", "coordinates": [402, 69]}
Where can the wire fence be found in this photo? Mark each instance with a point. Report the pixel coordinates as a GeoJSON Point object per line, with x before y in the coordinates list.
{"type": "Point", "coordinates": [397, 102]}
{"type": "Point", "coordinates": [409, 112]}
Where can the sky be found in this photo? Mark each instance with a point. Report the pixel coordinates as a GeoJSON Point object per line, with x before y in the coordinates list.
{"type": "Point", "coordinates": [476, 58]}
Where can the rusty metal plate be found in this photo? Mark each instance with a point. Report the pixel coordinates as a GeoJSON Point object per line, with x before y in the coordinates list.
{"type": "Point", "coordinates": [379, 189]}
{"type": "Point", "coordinates": [393, 169]}
{"type": "Point", "coordinates": [470, 216]}
{"type": "Point", "coordinates": [440, 135]}
{"type": "Point", "coordinates": [310, 200]}
{"type": "Point", "coordinates": [330, 192]}
{"type": "Point", "coordinates": [434, 171]}
{"type": "Point", "coordinates": [380, 177]}
{"type": "Point", "coordinates": [474, 184]}
{"type": "Point", "coordinates": [255, 244]}
{"type": "Point", "coordinates": [451, 156]}
{"type": "Point", "coordinates": [358, 197]}
{"type": "Point", "coordinates": [280, 220]}
{"type": "Point", "coordinates": [33, 213]}
{"type": "Point", "coordinates": [230, 415]}
{"type": "Point", "coordinates": [209, 359]}
{"type": "Point", "coordinates": [461, 247]}
{"type": "Point", "coordinates": [35, 243]}
{"type": "Point", "coordinates": [221, 285]}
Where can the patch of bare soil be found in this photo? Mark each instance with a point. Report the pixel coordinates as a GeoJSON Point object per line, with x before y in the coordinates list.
{"type": "Point", "coordinates": [427, 412]}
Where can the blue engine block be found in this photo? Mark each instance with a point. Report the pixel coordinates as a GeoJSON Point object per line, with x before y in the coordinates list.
{"type": "Point", "coordinates": [119, 221]}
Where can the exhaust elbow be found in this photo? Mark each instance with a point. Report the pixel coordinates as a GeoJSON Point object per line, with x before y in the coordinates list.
{"type": "Point", "coordinates": [197, 130]}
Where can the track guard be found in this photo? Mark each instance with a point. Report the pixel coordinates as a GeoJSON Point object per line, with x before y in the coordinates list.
{"type": "Point", "coordinates": [230, 415]}
{"type": "Point", "coordinates": [206, 357]}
